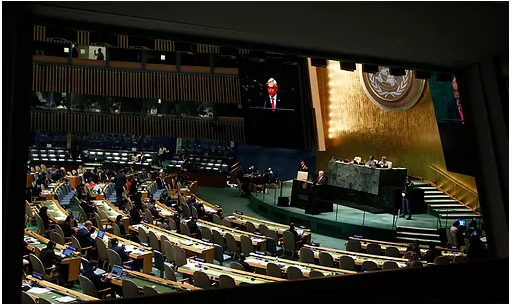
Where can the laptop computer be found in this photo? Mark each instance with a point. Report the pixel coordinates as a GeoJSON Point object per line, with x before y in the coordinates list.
{"type": "Point", "coordinates": [299, 231]}
{"type": "Point", "coordinates": [101, 234]}
{"type": "Point", "coordinates": [116, 271]}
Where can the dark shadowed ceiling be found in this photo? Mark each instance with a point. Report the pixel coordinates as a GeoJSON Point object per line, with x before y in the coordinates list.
{"type": "Point", "coordinates": [411, 34]}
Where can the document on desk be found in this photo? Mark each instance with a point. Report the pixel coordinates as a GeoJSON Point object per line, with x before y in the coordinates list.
{"type": "Point", "coordinates": [65, 299]}
{"type": "Point", "coordinates": [38, 290]}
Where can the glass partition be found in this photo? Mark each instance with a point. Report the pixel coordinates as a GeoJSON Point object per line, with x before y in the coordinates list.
{"type": "Point", "coordinates": [49, 101]}
{"type": "Point", "coordinates": [88, 103]}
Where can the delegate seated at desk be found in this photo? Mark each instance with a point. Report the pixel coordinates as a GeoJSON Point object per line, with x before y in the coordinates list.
{"type": "Point", "coordinates": [383, 163]}
{"type": "Point", "coordinates": [194, 228]}
{"type": "Point", "coordinates": [50, 259]}
{"type": "Point", "coordinates": [371, 162]}
{"type": "Point", "coordinates": [245, 265]}
{"type": "Point", "coordinates": [321, 179]}
{"type": "Point", "coordinates": [119, 249]}
{"type": "Point", "coordinates": [83, 235]}
{"type": "Point", "coordinates": [101, 282]}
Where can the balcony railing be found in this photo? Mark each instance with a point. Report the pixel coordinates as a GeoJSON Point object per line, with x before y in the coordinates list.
{"type": "Point", "coordinates": [454, 188]}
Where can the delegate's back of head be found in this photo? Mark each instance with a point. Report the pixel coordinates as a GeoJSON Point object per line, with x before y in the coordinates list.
{"type": "Point", "coordinates": [93, 264]}
{"type": "Point", "coordinates": [51, 245]}
{"type": "Point", "coordinates": [114, 242]}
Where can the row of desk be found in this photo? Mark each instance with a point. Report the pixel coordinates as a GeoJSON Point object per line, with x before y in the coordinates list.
{"type": "Point", "coordinates": [447, 252]}
{"type": "Point", "coordinates": [241, 221]}
{"type": "Point", "coordinates": [53, 293]}
{"type": "Point", "coordinates": [260, 262]}
{"type": "Point", "coordinates": [192, 246]}
{"type": "Point", "coordinates": [358, 257]}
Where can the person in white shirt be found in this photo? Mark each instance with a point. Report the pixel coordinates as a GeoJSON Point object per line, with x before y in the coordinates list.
{"type": "Point", "coordinates": [383, 162]}
{"type": "Point", "coordinates": [162, 151]}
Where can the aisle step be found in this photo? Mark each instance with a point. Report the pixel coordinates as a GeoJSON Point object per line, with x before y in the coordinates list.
{"type": "Point", "coordinates": [433, 192]}
{"type": "Point", "coordinates": [458, 215]}
{"type": "Point", "coordinates": [410, 239]}
{"type": "Point", "coordinates": [426, 188]}
{"type": "Point", "coordinates": [421, 234]}
{"type": "Point", "coordinates": [435, 201]}
{"type": "Point", "coordinates": [436, 206]}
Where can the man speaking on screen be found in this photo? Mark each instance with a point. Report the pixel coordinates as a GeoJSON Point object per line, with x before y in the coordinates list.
{"type": "Point", "coordinates": [271, 101]}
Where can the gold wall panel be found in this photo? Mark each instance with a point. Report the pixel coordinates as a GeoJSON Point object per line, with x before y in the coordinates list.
{"type": "Point", "coordinates": [409, 139]}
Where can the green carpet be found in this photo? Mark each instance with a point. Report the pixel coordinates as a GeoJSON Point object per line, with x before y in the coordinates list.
{"type": "Point", "coordinates": [228, 199]}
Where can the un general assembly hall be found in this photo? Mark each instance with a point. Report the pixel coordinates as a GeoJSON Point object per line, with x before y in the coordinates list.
{"type": "Point", "coordinates": [221, 151]}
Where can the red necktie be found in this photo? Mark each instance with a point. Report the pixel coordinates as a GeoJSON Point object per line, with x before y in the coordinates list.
{"type": "Point", "coordinates": [273, 102]}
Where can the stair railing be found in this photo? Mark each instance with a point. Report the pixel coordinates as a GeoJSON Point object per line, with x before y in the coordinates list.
{"type": "Point", "coordinates": [454, 189]}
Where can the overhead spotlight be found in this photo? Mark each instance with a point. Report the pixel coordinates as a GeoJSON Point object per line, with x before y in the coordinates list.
{"type": "Point", "coordinates": [258, 56]}
{"type": "Point", "coordinates": [397, 71]}
{"type": "Point", "coordinates": [228, 52]}
{"type": "Point", "coordinates": [185, 47]}
{"type": "Point", "coordinates": [348, 66]}
{"type": "Point", "coordinates": [319, 62]}
{"type": "Point", "coordinates": [370, 68]}
{"type": "Point", "coordinates": [444, 77]}
{"type": "Point", "coordinates": [422, 74]}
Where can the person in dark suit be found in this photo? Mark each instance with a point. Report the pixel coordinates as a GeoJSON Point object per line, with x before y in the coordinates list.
{"type": "Point", "coordinates": [272, 100]}
{"type": "Point", "coordinates": [121, 250]}
{"type": "Point", "coordinates": [303, 167]}
{"type": "Point", "coordinates": [100, 282]}
{"type": "Point", "coordinates": [48, 256]}
{"type": "Point", "coordinates": [245, 265]}
{"type": "Point", "coordinates": [84, 235]}
{"type": "Point", "coordinates": [194, 229]}
{"type": "Point", "coordinates": [136, 212]}
{"type": "Point", "coordinates": [151, 207]}
{"type": "Point", "coordinates": [49, 259]}
{"type": "Point", "coordinates": [432, 253]}
{"type": "Point", "coordinates": [70, 226]}
{"type": "Point", "coordinates": [192, 201]}
{"type": "Point", "coordinates": [118, 221]}
{"type": "Point", "coordinates": [88, 206]}
{"type": "Point", "coordinates": [43, 213]}
{"type": "Point", "coordinates": [120, 181]}
{"type": "Point", "coordinates": [405, 208]}
{"type": "Point", "coordinates": [292, 229]}
{"type": "Point", "coordinates": [321, 179]}
{"type": "Point", "coordinates": [160, 181]}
